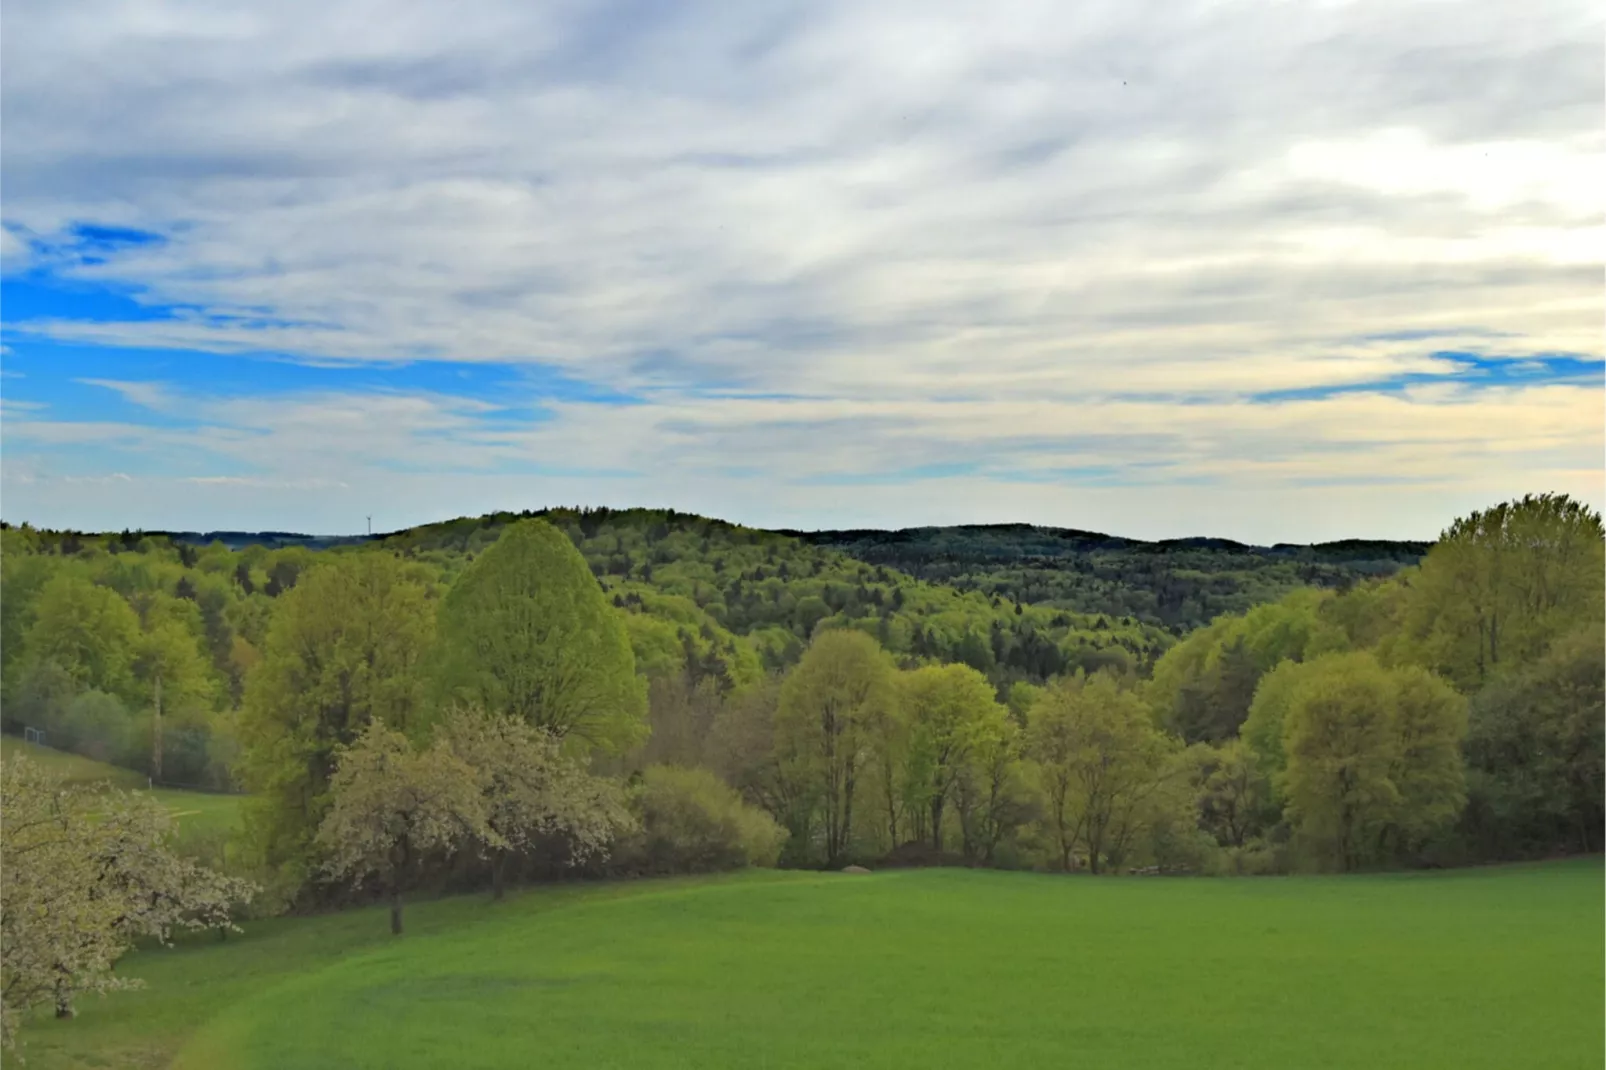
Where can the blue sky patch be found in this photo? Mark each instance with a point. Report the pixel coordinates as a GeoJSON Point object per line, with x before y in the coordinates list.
{"type": "Point", "coordinates": [1463, 369]}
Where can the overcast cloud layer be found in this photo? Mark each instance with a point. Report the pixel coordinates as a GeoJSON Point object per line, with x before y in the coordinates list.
{"type": "Point", "coordinates": [1266, 270]}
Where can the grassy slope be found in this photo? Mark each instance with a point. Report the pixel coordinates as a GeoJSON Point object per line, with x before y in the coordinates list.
{"type": "Point", "coordinates": [1477, 968]}
{"type": "Point", "coordinates": [194, 812]}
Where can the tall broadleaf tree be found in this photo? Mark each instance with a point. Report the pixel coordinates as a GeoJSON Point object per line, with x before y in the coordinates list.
{"type": "Point", "coordinates": [344, 651]}
{"type": "Point", "coordinates": [527, 632]}
{"type": "Point", "coordinates": [949, 710]}
{"type": "Point", "coordinates": [830, 707]}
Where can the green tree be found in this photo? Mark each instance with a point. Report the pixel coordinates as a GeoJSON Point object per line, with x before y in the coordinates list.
{"type": "Point", "coordinates": [1268, 714]}
{"type": "Point", "coordinates": [1501, 585]}
{"type": "Point", "coordinates": [948, 708]}
{"type": "Point", "coordinates": [1233, 796]}
{"type": "Point", "coordinates": [173, 673]}
{"type": "Point", "coordinates": [393, 804]}
{"type": "Point", "coordinates": [344, 650]}
{"type": "Point", "coordinates": [991, 795]}
{"type": "Point", "coordinates": [1342, 753]}
{"type": "Point", "coordinates": [1534, 752]}
{"type": "Point", "coordinates": [1101, 760]}
{"type": "Point", "coordinates": [691, 821]}
{"type": "Point", "coordinates": [89, 631]}
{"type": "Point", "coordinates": [843, 686]}
{"type": "Point", "coordinates": [1430, 721]}
{"type": "Point", "coordinates": [526, 631]}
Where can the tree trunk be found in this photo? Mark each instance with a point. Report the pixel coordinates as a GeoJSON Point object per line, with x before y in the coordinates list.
{"type": "Point", "coordinates": [395, 903]}
{"type": "Point", "coordinates": [498, 875]}
{"type": "Point", "coordinates": [63, 1001]}
{"type": "Point", "coordinates": [156, 734]}
{"type": "Point", "coordinates": [936, 822]}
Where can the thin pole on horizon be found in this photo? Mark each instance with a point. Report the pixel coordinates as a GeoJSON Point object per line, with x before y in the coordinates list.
{"type": "Point", "coordinates": [370, 524]}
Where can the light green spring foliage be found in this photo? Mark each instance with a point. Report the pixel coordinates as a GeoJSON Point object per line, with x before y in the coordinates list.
{"type": "Point", "coordinates": [692, 822]}
{"type": "Point", "coordinates": [1372, 757]}
{"type": "Point", "coordinates": [1268, 713]}
{"type": "Point", "coordinates": [1101, 762]}
{"type": "Point", "coordinates": [526, 631]}
{"type": "Point", "coordinates": [992, 795]}
{"type": "Point", "coordinates": [831, 707]}
{"type": "Point", "coordinates": [85, 870]}
{"type": "Point", "coordinates": [344, 651]}
{"type": "Point", "coordinates": [950, 711]}
{"type": "Point", "coordinates": [1202, 688]}
{"type": "Point", "coordinates": [1502, 585]}
{"type": "Point", "coordinates": [87, 630]}
{"type": "Point", "coordinates": [391, 804]}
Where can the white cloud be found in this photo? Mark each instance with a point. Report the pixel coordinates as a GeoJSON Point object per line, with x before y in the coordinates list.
{"type": "Point", "coordinates": [957, 236]}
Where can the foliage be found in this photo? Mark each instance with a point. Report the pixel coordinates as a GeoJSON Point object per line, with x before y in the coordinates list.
{"type": "Point", "coordinates": [84, 871]}
{"type": "Point", "coordinates": [1203, 687]}
{"type": "Point", "coordinates": [1179, 584]}
{"type": "Point", "coordinates": [526, 631]}
{"type": "Point", "coordinates": [829, 708]}
{"type": "Point", "coordinates": [392, 805]}
{"type": "Point", "coordinates": [343, 651]}
{"type": "Point", "coordinates": [88, 631]}
{"type": "Point", "coordinates": [951, 712]}
{"type": "Point", "coordinates": [1373, 761]}
{"type": "Point", "coordinates": [1534, 753]}
{"type": "Point", "coordinates": [1102, 764]}
{"type": "Point", "coordinates": [692, 822]}
{"type": "Point", "coordinates": [529, 790]}
{"type": "Point", "coordinates": [1502, 584]}
{"type": "Point", "coordinates": [1233, 793]}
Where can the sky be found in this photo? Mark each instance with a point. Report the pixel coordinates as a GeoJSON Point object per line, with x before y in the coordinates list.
{"type": "Point", "coordinates": [1263, 270]}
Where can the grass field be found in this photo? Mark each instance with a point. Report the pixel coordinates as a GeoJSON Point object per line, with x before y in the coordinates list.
{"type": "Point", "coordinates": [194, 812]}
{"type": "Point", "coordinates": [1497, 967]}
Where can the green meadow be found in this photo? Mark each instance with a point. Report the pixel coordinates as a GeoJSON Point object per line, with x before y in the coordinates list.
{"type": "Point", "coordinates": [194, 813]}
{"type": "Point", "coordinates": [1496, 967]}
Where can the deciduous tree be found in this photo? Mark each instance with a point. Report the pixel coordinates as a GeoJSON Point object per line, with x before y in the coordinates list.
{"type": "Point", "coordinates": [526, 631]}
{"type": "Point", "coordinates": [344, 650]}
{"type": "Point", "coordinates": [392, 804]}
{"type": "Point", "coordinates": [529, 789]}
{"type": "Point", "coordinates": [830, 702]}
{"type": "Point", "coordinates": [85, 871]}
{"type": "Point", "coordinates": [1101, 760]}
{"type": "Point", "coordinates": [948, 709]}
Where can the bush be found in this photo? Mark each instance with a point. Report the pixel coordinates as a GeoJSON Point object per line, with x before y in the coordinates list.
{"type": "Point", "coordinates": [40, 698]}
{"type": "Point", "coordinates": [691, 822]}
{"type": "Point", "coordinates": [97, 726]}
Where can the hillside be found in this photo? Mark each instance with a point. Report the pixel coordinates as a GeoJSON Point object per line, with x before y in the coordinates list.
{"type": "Point", "coordinates": [1180, 584]}
{"type": "Point", "coordinates": [1174, 584]}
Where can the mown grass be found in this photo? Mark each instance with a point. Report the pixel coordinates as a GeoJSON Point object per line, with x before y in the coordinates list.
{"type": "Point", "coordinates": [1497, 967]}
{"type": "Point", "coordinates": [195, 813]}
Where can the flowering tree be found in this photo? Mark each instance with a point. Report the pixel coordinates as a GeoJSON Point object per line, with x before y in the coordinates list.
{"type": "Point", "coordinates": [530, 789]}
{"type": "Point", "coordinates": [84, 871]}
{"type": "Point", "coordinates": [393, 804]}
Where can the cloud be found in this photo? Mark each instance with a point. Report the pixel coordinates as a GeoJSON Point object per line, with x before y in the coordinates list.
{"type": "Point", "coordinates": [887, 245]}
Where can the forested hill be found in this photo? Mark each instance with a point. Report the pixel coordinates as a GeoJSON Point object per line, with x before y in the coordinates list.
{"type": "Point", "coordinates": [1180, 584]}
{"type": "Point", "coordinates": [1176, 584]}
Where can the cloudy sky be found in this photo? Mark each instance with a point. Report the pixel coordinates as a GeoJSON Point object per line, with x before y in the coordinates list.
{"type": "Point", "coordinates": [1267, 270]}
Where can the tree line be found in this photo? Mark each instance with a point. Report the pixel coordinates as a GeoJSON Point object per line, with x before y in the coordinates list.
{"type": "Point", "coordinates": [507, 710]}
